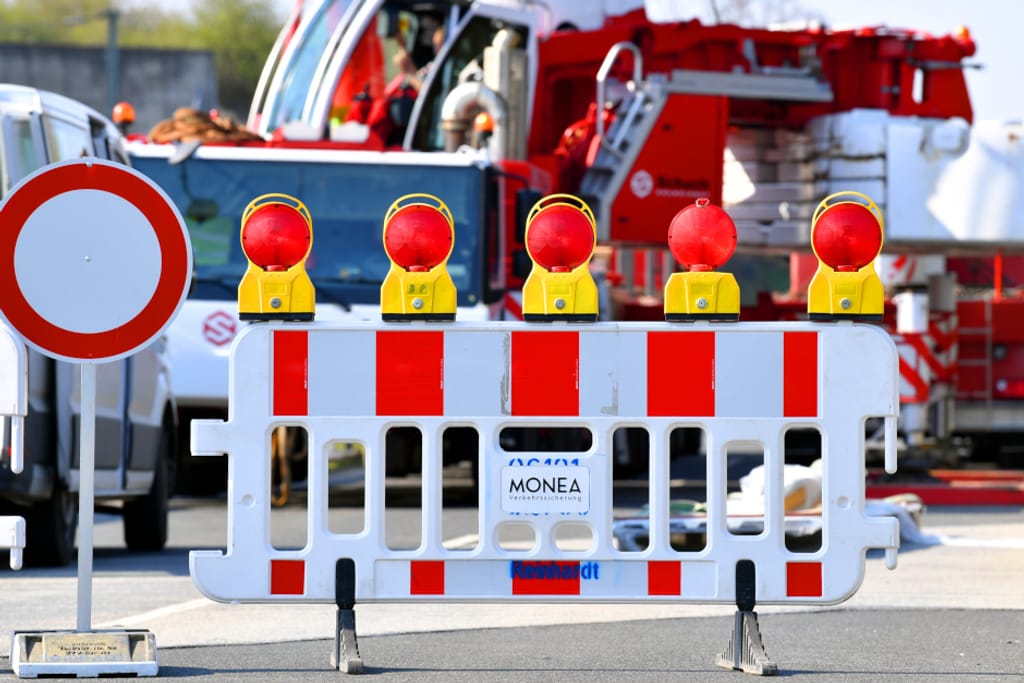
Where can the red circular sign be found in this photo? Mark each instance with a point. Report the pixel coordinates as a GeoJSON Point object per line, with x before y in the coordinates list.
{"type": "Point", "coordinates": [110, 190]}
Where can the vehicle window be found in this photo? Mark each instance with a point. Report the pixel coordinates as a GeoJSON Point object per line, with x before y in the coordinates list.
{"type": "Point", "coordinates": [65, 140]}
{"type": "Point", "coordinates": [347, 202]}
{"type": "Point", "coordinates": [464, 60]}
{"type": "Point", "coordinates": [298, 79]}
{"type": "Point", "coordinates": [21, 155]}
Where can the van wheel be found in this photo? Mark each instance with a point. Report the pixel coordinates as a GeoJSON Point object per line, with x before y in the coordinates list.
{"type": "Point", "coordinates": [145, 518]}
{"type": "Point", "coordinates": [50, 529]}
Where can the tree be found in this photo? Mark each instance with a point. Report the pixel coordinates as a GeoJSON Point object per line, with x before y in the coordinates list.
{"type": "Point", "coordinates": [239, 33]}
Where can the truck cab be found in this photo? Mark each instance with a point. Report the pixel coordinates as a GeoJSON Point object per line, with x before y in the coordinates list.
{"type": "Point", "coordinates": [135, 411]}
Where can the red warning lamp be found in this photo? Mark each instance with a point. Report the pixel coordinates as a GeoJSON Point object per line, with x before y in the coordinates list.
{"type": "Point", "coordinates": [561, 234]}
{"type": "Point", "coordinates": [419, 235]}
{"type": "Point", "coordinates": [846, 237]}
{"type": "Point", "coordinates": [276, 237]}
{"type": "Point", "coordinates": [561, 238]}
{"type": "Point", "coordinates": [418, 238]}
{"type": "Point", "coordinates": [702, 237]}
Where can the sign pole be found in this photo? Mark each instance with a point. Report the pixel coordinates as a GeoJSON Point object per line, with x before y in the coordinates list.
{"type": "Point", "coordinates": [86, 495]}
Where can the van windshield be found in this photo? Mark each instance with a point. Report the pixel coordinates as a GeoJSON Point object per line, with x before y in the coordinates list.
{"type": "Point", "coordinates": [347, 202]}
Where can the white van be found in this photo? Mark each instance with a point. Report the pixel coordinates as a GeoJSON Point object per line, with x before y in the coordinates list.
{"type": "Point", "coordinates": [135, 411]}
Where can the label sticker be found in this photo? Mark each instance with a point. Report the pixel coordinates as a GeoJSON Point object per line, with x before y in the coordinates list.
{"type": "Point", "coordinates": [538, 490]}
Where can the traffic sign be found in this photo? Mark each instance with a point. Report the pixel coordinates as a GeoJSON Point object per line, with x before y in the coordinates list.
{"type": "Point", "coordinates": [95, 260]}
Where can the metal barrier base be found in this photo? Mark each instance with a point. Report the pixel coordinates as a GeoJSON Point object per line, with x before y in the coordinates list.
{"type": "Point", "coordinates": [345, 657]}
{"type": "Point", "coordinates": [745, 650]}
{"type": "Point", "coordinates": [85, 654]}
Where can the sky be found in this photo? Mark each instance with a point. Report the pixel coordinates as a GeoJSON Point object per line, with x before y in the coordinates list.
{"type": "Point", "coordinates": [996, 25]}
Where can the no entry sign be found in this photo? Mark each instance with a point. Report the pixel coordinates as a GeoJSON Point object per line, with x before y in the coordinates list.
{"type": "Point", "coordinates": [95, 260]}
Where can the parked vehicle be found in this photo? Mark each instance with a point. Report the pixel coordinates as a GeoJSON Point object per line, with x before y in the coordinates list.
{"type": "Point", "coordinates": [136, 415]}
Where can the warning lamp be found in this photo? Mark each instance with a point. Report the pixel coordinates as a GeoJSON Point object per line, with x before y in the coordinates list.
{"type": "Point", "coordinates": [419, 235]}
{"type": "Point", "coordinates": [702, 237]}
{"type": "Point", "coordinates": [123, 115]}
{"type": "Point", "coordinates": [561, 234]}
{"type": "Point", "coordinates": [846, 236]}
{"type": "Point", "coordinates": [277, 236]}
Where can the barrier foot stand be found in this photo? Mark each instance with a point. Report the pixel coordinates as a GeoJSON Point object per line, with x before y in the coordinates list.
{"type": "Point", "coordinates": [345, 657]}
{"type": "Point", "coordinates": [84, 654]}
{"type": "Point", "coordinates": [745, 650]}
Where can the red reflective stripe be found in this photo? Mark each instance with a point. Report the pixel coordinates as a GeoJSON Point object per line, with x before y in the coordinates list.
{"type": "Point", "coordinates": [681, 374]}
{"type": "Point", "coordinates": [664, 577]}
{"type": "Point", "coordinates": [426, 577]}
{"type": "Point", "coordinates": [545, 578]}
{"type": "Point", "coordinates": [291, 372]}
{"type": "Point", "coordinates": [546, 373]}
{"type": "Point", "coordinates": [800, 374]}
{"type": "Point", "coordinates": [287, 577]}
{"type": "Point", "coordinates": [410, 373]}
{"type": "Point", "coordinates": [803, 579]}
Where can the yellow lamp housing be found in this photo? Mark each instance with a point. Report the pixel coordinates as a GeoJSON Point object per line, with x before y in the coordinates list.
{"type": "Point", "coordinates": [561, 234]}
{"type": "Point", "coordinates": [702, 237]}
{"type": "Point", "coordinates": [419, 235]}
{"type": "Point", "coordinates": [277, 237]}
{"type": "Point", "coordinates": [706, 295]}
{"type": "Point", "coordinates": [846, 237]}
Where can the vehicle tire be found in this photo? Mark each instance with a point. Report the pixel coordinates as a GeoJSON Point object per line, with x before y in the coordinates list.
{"type": "Point", "coordinates": [50, 527]}
{"type": "Point", "coordinates": [145, 518]}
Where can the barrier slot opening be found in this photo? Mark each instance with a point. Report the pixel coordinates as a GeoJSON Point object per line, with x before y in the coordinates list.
{"type": "Point", "coordinates": [289, 456]}
{"type": "Point", "coordinates": [802, 480]}
{"type": "Point", "coordinates": [687, 490]}
{"type": "Point", "coordinates": [346, 490]}
{"type": "Point", "coordinates": [744, 462]}
{"type": "Point", "coordinates": [403, 488]}
{"type": "Point", "coordinates": [460, 488]}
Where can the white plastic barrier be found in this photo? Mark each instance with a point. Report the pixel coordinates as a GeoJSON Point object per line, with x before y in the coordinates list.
{"type": "Point", "coordinates": [740, 382]}
{"type": "Point", "coordinates": [13, 405]}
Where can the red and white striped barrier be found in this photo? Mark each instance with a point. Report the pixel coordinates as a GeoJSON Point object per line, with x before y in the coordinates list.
{"type": "Point", "coordinates": [741, 383]}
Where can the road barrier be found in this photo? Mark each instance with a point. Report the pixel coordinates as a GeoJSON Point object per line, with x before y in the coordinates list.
{"type": "Point", "coordinates": [745, 385]}
{"type": "Point", "coordinates": [742, 383]}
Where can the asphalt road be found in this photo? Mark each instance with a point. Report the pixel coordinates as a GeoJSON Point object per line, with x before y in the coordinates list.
{"type": "Point", "coordinates": [952, 610]}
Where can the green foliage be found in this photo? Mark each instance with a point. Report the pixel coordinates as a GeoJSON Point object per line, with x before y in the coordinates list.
{"type": "Point", "coordinates": [240, 33]}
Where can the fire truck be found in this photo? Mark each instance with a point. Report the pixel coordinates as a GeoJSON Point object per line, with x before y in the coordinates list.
{"type": "Point", "coordinates": [492, 104]}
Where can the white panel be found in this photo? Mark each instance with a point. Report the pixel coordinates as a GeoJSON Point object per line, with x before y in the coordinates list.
{"type": "Point", "coordinates": [476, 373]}
{"type": "Point", "coordinates": [700, 580]}
{"type": "Point", "coordinates": [468, 578]}
{"type": "Point", "coordinates": [391, 578]}
{"type": "Point", "coordinates": [748, 374]}
{"type": "Point", "coordinates": [613, 373]}
{"type": "Point", "coordinates": [342, 373]}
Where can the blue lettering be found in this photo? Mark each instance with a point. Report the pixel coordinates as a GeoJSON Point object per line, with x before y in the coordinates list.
{"type": "Point", "coordinates": [529, 571]}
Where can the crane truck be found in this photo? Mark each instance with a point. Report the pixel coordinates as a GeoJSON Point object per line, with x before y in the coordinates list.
{"type": "Point", "coordinates": [491, 104]}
